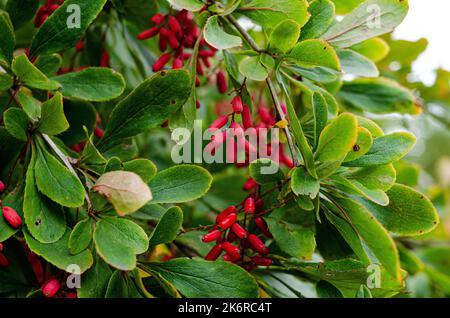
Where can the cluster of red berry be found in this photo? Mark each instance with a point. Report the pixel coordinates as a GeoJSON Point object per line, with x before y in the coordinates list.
{"type": "Point", "coordinates": [250, 250]}
{"type": "Point", "coordinates": [179, 34]}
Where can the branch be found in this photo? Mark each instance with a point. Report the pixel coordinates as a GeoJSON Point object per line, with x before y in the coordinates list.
{"type": "Point", "coordinates": [244, 34]}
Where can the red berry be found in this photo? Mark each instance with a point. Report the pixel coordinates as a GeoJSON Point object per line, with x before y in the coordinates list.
{"type": "Point", "coordinates": [222, 215]}
{"type": "Point", "coordinates": [173, 41]}
{"type": "Point", "coordinates": [104, 60]}
{"type": "Point", "coordinates": [161, 62]}
{"type": "Point", "coordinates": [257, 245]}
{"type": "Point", "coordinates": [249, 205]}
{"type": "Point", "coordinates": [211, 236]}
{"type": "Point", "coordinates": [147, 34]}
{"type": "Point", "coordinates": [266, 116]}
{"type": "Point", "coordinates": [197, 104]}
{"type": "Point", "coordinates": [12, 217]}
{"type": "Point", "coordinates": [71, 295]}
{"type": "Point", "coordinates": [228, 221]}
{"type": "Point", "coordinates": [197, 81]}
{"type": "Point", "coordinates": [218, 123]}
{"type": "Point", "coordinates": [200, 69]}
{"type": "Point", "coordinates": [214, 253]}
{"type": "Point", "coordinates": [175, 26]}
{"type": "Point", "coordinates": [239, 231]}
{"type": "Point", "coordinates": [246, 117]}
{"type": "Point", "coordinates": [4, 262]}
{"type": "Point", "coordinates": [250, 184]}
{"type": "Point", "coordinates": [50, 288]}
{"type": "Point", "coordinates": [162, 42]}
{"type": "Point", "coordinates": [204, 53]}
{"type": "Point", "coordinates": [232, 250]}
{"type": "Point", "coordinates": [262, 226]}
{"type": "Point", "coordinates": [2, 186]}
{"type": "Point", "coordinates": [237, 104]}
{"type": "Point", "coordinates": [222, 82]}
{"type": "Point", "coordinates": [1, 247]}
{"type": "Point", "coordinates": [157, 18]}
{"type": "Point", "coordinates": [177, 64]}
{"type": "Point", "coordinates": [262, 261]}
{"type": "Point", "coordinates": [98, 132]}
{"type": "Point", "coordinates": [79, 46]}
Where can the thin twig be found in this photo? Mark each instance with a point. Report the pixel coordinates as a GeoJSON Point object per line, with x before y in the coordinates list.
{"type": "Point", "coordinates": [244, 34]}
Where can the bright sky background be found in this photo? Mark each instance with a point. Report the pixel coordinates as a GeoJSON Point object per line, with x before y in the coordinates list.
{"type": "Point", "coordinates": [429, 19]}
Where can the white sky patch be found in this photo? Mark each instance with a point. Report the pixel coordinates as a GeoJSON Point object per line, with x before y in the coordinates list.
{"type": "Point", "coordinates": [428, 19]}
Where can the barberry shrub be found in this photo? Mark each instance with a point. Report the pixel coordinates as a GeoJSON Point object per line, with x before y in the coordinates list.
{"type": "Point", "coordinates": [92, 204]}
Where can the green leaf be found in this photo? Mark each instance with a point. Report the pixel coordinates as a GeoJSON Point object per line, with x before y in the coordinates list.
{"type": "Point", "coordinates": [168, 227]}
{"type": "Point", "coordinates": [284, 36]}
{"type": "Point", "coordinates": [45, 220]}
{"type": "Point", "coordinates": [15, 201]}
{"type": "Point", "coordinates": [378, 95]}
{"type": "Point", "coordinates": [375, 49]}
{"type": "Point", "coordinates": [48, 64]}
{"type": "Point", "coordinates": [149, 105]}
{"type": "Point", "coordinates": [30, 105]}
{"type": "Point", "coordinates": [337, 138]}
{"type": "Point", "coordinates": [81, 236]}
{"type": "Point", "coordinates": [95, 280]}
{"type": "Point", "coordinates": [8, 39]}
{"type": "Point", "coordinates": [142, 167]}
{"type": "Point", "coordinates": [363, 292]}
{"type": "Point", "coordinates": [79, 114]}
{"type": "Point", "coordinates": [269, 13]}
{"type": "Point", "coordinates": [30, 75]}
{"type": "Point", "coordinates": [375, 177]}
{"type": "Point", "coordinates": [370, 19]}
{"type": "Point", "coordinates": [58, 254]}
{"type": "Point", "coordinates": [327, 290]}
{"type": "Point", "coordinates": [53, 121]}
{"type": "Point", "coordinates": [362, 145]}
{"type": "Point", "coordinates": [62, 30]}
{"type": "Point", "coordinates": [374, 235]}
{"type": "Point", "coordinates": [357, 64]}
{"type": "Point", "coordinates": [16, 123]}
{"type": "Point", "coordinates": [217, 37]}
{"type": "Point", "coordinates": [252, 68]}
{"type": "Point", "coordinates": [409, 213]}
{"type": "Point", "coordinates": [314, 53]}
{"type": "Point", "coordinates": [180, 184]}
{"type": "Point", "coordinates": [293, 230]}
{"type": "Point", "coordinates": [6, 82]}
{"type": "Point", "coordinates": [197, 278]}
{"type": "Point", "coordinates": [191, 5]}
{"type": "Point", "coordinates": [125, 190]}
{"type": "Point", "coordinates": [56, 181]}
{"type": "Point", "coordinates": [386, 149]}
{"type": "Point", "coordinates": [371, 126]}
{"type": "Point", "coordinates": [265, 171]}
{"type": "Point", "coordinates": [94, 84]}
{"type": "Point", "coordinates": [21, 11]}
{"type": "Point", "coordinates": [320, 108]}
{"type": "Point", "coordinates": [117, 286]}
{"type": "Point", "coordinates": [302, 183]}
{"type": "Point", "coordinates": [118, 241]}
{"type": "Point", "coordinates": [322, 16]}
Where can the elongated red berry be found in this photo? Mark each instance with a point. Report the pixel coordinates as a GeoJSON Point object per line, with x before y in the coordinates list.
{"type": "Point", "coordinates": [237, 104]}
{"type": "Point", "coordinates": [232, 250]}
{"type": "Point", "coordinates": [2, 186]}
{"type": "Point", "coordinates": [218, 123]}
{"type": "Point", "coordinates": [4, 262]}
{"type": "Point", "coordinates": [250, 184]}
{"type": "Point", "coordinates": [222, 82]}
{"type": "Point", "coordinates": [177, 64]}
{"type": "Point", "coordinates": [161, 62]}
{"type": "Point", "coordinates": [173, 41]}
{"type": "Point", "coordinates": [205, 53]}
{"type": "Point", "coordinates": [51, 287]}
{"type": "Point", "coordinates": [197, 104]}
{"type": "Point", "coordinates": [98, 132]}
{"type": "Point", "coordinates": [249, 205]}
{"type": "Point", "coordinates": [157, 18]}
{"type": "Point", "coordinates": [214, 253]}
{"type": "Point", "coordinates": [262, 261]}
{"type": "Point", "coordinates": [246, 117]}
{"type": "Point", "coordinates": [266, 116]}
{"type": "Point", "coordinates": [162, 41]}
{"type": "Point", "coordinates": [79, 46]}
{"type": "Point", "coordinates": [175, 26]}
{"type": "Point", "coordinates": [257, 245]}
{"type": "Point", "coordinates": [1, 247]}
{"type": "Point", "coordinates": [263, 227]}
{"type": "Point", "coordinates": [222, 215]}
{"type": "Point", "coordinates": [71, 295]}
{"type": "Point", "coordinates": [211, 236]}
{"type": "Point", "coordinates": [104, 59]}
{"type": "Point", "coordinates": [239, 231]}
{"type": "Point", "coordinates": [147, 34]}
{"type": "Point", "coordinates": [228, 221]}
{"type": "Point", "coordinates": [12, 217]}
